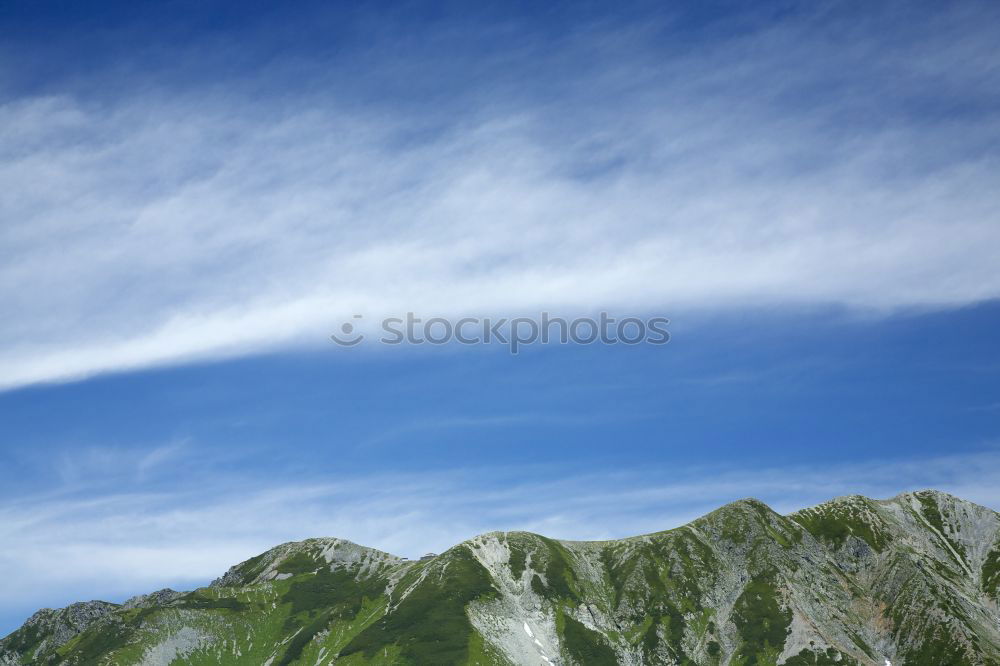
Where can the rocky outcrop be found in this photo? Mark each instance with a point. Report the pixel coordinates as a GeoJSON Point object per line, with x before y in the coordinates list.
{"type": "Point", "coordinates": [49, 629]}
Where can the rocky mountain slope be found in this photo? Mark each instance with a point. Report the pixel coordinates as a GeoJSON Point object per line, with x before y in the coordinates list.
{"type": "Point", "coordinates": [910, 580]}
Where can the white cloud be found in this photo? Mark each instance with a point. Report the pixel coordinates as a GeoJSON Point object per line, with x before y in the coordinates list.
{"type": "Point", "coordinates": [167, 225]}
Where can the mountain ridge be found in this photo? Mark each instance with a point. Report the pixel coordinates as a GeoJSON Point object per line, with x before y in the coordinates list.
{"type": "Point", "coordinates": [912, 579]}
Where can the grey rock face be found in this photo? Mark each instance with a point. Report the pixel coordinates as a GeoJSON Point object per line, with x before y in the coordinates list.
{"type": "Point", "coordinates": [158, 598]}
{"type": "Point", "coordinates": [48, 629]}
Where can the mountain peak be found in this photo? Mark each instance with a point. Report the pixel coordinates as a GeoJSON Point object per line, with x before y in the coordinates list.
{"type": "Point", "coordinates": [287, 559]}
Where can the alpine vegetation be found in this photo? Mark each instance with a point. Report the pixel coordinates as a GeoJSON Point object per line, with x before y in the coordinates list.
{"type": "Point", "coordinates": [912, 580]}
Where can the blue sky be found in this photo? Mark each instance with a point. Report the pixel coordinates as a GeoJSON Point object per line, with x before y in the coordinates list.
{"type": "Point", "coordinates": [193, 196]}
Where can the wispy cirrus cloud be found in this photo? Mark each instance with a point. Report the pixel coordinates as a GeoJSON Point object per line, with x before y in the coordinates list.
{"type": "Point", "coordinates": [812, 160]}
